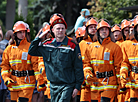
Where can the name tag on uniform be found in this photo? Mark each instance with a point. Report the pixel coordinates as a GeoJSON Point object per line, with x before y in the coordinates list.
{"type": "Point", "coordinates": [106, 56]}
{"type": "Point", "coordinates": [24, 55]}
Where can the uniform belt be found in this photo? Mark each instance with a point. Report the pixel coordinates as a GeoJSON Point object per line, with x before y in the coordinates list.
{"type": "Point", "coordinates": [135, 69]}
{"type": "Point", "coordinates": [104, 74]}
{"type": "Point", "coordinates": [22, 73]}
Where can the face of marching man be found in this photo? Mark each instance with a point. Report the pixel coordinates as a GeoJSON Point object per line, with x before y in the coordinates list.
{"type": "Point", "coordinates": [104, 32]}
{"type": "Point", "coordinates": [59, 30]}
{"type": "Point", "coordinates": [117, 35]}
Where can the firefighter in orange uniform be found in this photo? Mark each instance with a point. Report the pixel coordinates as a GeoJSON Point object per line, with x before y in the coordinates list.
{"type": "Point", "coordinates": [19, 69]}
{"type": "Point", "coordinates": [86, 94]}
{"type": "Point", "coordinates": [41, 67]}
{"type": "Point", "coordinates": [42, 70]}
{"type": "Point", "coordinates": [131, 31]}
{"type": "Point", "coordinates": [125, 29]}
{"type": "Point", "coordinates": [102, 62]}
{"type": "Point", "coordinates": [119, 39]}
{"type": "Point", "coordinates": [79, 34]}
{"type": "Point", "coordinates": [130, 63]}
{"type": "Point", "coordinates": [117, 34]}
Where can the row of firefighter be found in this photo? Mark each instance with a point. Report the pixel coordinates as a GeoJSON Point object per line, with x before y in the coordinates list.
{"type": "Point", "coordinates": [110, 60]}
{"type": "Point", "coordinates": [109, 56]}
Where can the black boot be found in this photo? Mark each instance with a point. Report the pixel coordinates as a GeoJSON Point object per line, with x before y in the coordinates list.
{"type": "Point", "coordinates": [23, 99]}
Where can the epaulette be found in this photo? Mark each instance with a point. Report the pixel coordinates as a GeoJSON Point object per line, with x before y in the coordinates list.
{"type": "Point", "coordinates": [49, 40]}
{"type": "Point", "coordinates": [73, 42]}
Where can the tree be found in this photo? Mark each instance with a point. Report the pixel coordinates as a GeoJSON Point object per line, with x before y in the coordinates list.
{"type": "Point", "coordinates": [22, 8]}
{"type": "Point", "coordinates": [108, 9]}
{"type": "Point", "coordinates": [43, 9]}
{"type": "Point", "coordinates": [10, 14]}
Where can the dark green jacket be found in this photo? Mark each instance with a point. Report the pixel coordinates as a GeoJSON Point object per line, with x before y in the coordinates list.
{"type": "Point", "coordinates": [63, 63]}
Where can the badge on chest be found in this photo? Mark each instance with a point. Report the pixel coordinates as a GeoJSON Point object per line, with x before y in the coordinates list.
{"type": "Point", "coordinates": [24, 55]}
{"type": "Point", "coordinates": [106, 56]}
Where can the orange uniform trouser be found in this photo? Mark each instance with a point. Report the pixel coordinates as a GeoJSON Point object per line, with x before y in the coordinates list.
{"type": "Point", "coordinates": [85, 94]}
{"type": "Point", "coordinates": [133, 93]}
{"type": "Point", "coordinates": [95, 96]}
{"type": "Point", "coordinates": [127, 95]}
{"type": "Point", "coordinates": [22, 93]}
{"type": "Point", "coordinates": [121, 97]}
{"type": "Point", "coordinates": [47, 92]}
{"type": "Point", "coordinates": [109, 94]}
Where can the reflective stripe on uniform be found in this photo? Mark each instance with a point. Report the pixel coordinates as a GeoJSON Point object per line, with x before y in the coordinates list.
{"type": "Point", "coordinates": [126, 68]}
{"type": "Point", "coordinates": [83, 58]}
{"type": "Point", "coordinates": [28, 62]}
{"type": "Point", "coordinates": [104, 87]}
{"type": "Point", "coordinates": [22, 86]}
{"type": "Point", "coordinates": [36, 73]}
{"type": "Point", "coordinates": [63, 47]}
{"type": "Point", "coordinates": [41, 63]}
{"type": "Point", "coordinates": [117, 75]}
{"type": "Point", "coordinates": [100, 62]}
{"type": "Point", "coordinates": [18, 61]}
{"type": "Point", "coordinates": [133, 58]}
{"type": "Point", "coordinates": [15, 61]}
{"type": "Point", "coordinates": [129, 84]}
{"type": "Point", "coordinates": [87, 68]}
{"type": "Point", "coordinates": [4, 72]}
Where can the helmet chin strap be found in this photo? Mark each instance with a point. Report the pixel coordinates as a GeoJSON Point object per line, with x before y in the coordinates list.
{"type": "Point", "coordinates": [91, 36]}
{"type": "Point", "coordinates": [17, 40]}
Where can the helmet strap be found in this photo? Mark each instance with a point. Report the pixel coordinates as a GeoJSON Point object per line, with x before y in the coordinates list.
{"type": "Point", "coordinates": [17, 40]}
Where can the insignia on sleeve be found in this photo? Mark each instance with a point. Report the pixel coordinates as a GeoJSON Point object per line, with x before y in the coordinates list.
{"type": "Point", "coordinates": [79, 56]}
{"type": "Point", "coordinates": [41, 70]}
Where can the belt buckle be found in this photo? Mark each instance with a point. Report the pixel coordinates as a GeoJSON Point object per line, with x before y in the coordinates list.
{"type": "Point", "coordinates": [27, 72]}
{"type": "Point", "coordinates": [103, 74]}
{"type": "Point", "coordinates": [97, 74]}
{"type": "Point", "coordinates": [27, 76]}
{"type": "Point", "coordinates": [22, 73]}
{"type": "Point", "coordinates": [106, 73]}
{"type": "Point", "coordinates": [16, 72]}
{"type": "Point", "coordinates": [135, 67]}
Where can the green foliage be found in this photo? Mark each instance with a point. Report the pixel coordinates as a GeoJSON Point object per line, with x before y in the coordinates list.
{"type": "Point", "coordinates": [3, 15]}
{"type": "Point", "coordinates": [43, 9]}
{"type": "Point", "coordinates": [109, 9]}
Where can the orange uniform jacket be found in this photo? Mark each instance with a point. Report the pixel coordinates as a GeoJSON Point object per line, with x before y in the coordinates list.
{"type": "Point", "coordinates": [83, 45]}
{"type": "Point", "coordinates": [17, 58]}
{"type": "Point", "coordinates": [104, 57]}
{"type": "Point", "coordinates": [130, 58]}
{"type": "Point", "coordinates": [42, 70]}
{"type": "Point", "coordinates": [119, 43]}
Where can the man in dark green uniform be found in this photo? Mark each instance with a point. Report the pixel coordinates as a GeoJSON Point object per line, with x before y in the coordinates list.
{"type": "Point", "coordinates": [62, 61]}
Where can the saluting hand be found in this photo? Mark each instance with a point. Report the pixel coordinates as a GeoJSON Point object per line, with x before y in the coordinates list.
{"type": "Point", "coordinates": [43, 34]}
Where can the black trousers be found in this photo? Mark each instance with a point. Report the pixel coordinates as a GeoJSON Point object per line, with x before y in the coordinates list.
{"type": "Point", "coordinates": [3, 95]}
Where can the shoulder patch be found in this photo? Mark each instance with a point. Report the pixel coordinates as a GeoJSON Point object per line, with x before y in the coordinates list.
{"type": "Point", "coordinates": [71, 43]}
{"type": "Point", "coordinates": [79, 56]}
